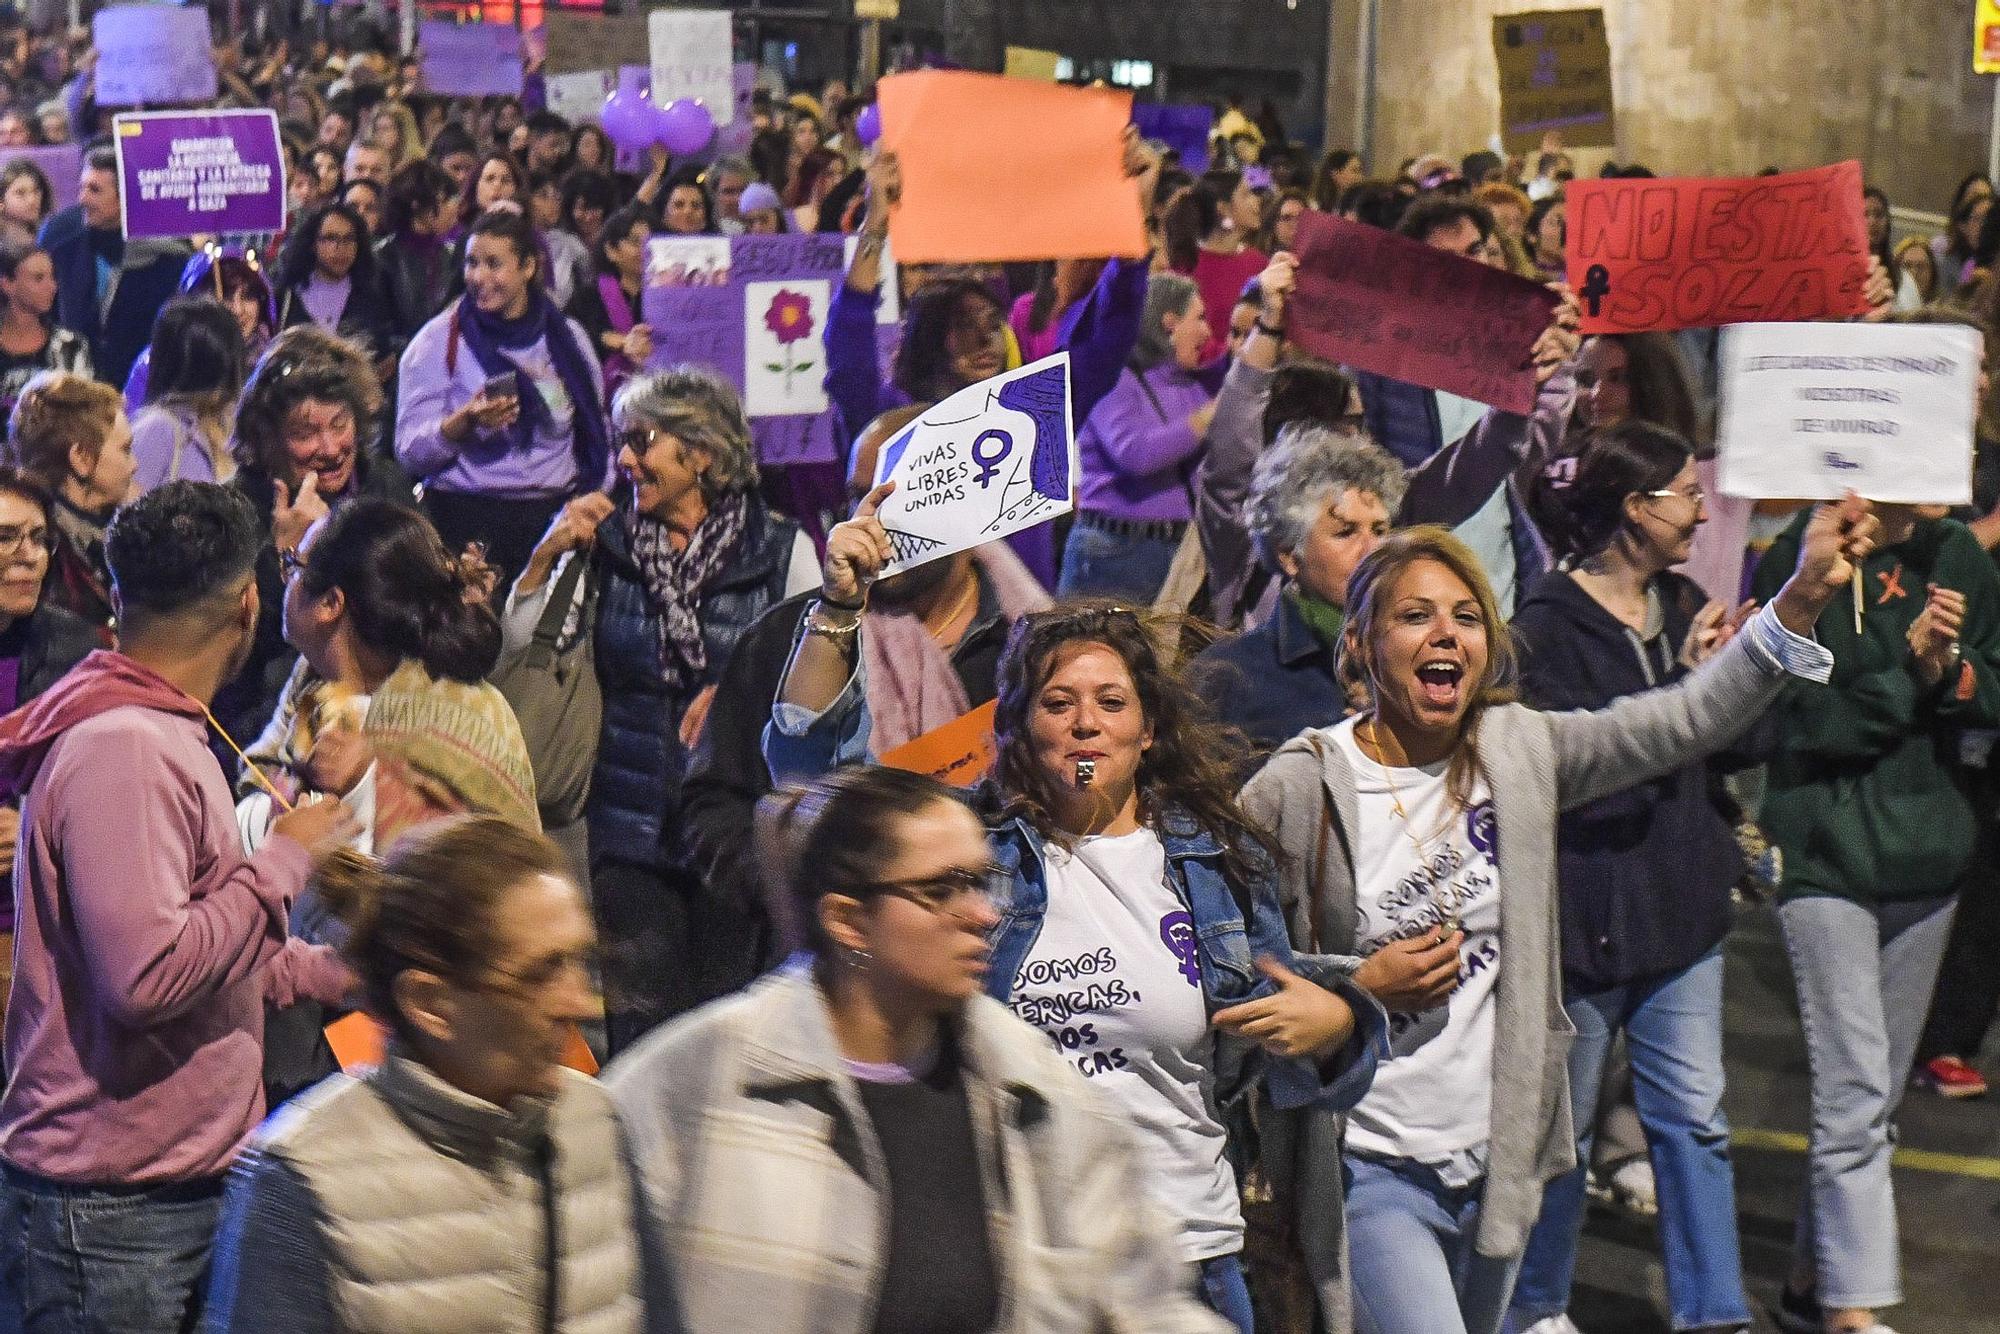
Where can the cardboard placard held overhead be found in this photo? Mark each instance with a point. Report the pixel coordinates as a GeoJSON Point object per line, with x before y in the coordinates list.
{"type": "Point", "coordinates": [1555, 74]}
{"type": "Point", "coordinates": [1697, 253]}
{"type": "Point", "coordinates": [1381, 302]}
{"type": "Point", "coordinates": [692, 58]}
{"type": "Point", "coordinates": [578, 42]}
{"type": "Point", "coordinates": [1986, 37]}
{"type": "Point", "coordinates": [973, 146]}
{"type": "Point", "coordinates": [1812, 411]}
{"type": "Point", "coordinates": [470, 59]}
{"type": "Point", "coordinates": [994, 458]}
{"type": "Point", "coordinates": [579, 98]}
{"type": "Point", "coordinates": [155, 54]}
{"type": "Point", "coordinates": [186, 172]}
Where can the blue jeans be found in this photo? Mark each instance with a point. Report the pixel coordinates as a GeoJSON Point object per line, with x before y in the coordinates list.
{"type": "Point", "coordinates": [1410, 1253]}
{"type": "Point", "coordinates": [1673, 1027]}
{"type": "Point", "coordinates": [1101, 564]}
{"type": "Point", "coordinates": [105, 1260]}
{"type": "Point", "coordinates": [1226, 1291]}
{"type": "Point", "coordinates": [1864, 974]}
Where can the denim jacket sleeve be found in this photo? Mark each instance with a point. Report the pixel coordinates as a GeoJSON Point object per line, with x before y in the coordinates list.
{"type": "Point", "coordinates": [800, 745]}
{"type": "Point", "coordinates": [1335, 1083]}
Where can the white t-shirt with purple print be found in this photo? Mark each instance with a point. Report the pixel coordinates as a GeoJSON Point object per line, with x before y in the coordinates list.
{"type": "Point", "coordinates": [1114, 982]}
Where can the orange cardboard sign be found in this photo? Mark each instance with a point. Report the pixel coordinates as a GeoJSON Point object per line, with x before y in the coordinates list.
{"type": "Point", "coordinates": [997, 169]}
{"type": "Point", "coordinates": [959, 753]}
{"type": "Point", "coordinates": [357, 1040]}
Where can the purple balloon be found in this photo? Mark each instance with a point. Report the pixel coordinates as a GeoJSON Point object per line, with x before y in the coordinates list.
{"type": "Point", "coordinates": [869, 125]}
{"type": "Point", "coordinates": [683, 126]}
{"type": "Point", "coordinates": [628, 119]}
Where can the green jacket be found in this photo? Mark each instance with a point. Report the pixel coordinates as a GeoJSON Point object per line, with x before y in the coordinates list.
{"type": "Point", "coordinates": [1867, 797]}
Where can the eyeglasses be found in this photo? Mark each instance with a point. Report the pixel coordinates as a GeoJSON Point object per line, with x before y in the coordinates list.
{"type": "Point", "coordinates": [23, 541]}
{"type": "Point", "coordinates": [949, 893]}
{"type": "Point", "coordinates": [1695, 496]}
{"type": "Point", "coordinates": [540, 975]}
{"type": "Point", "coordinates": [638, 439]}
{"type": "Point", "coordinates": [290, 564]}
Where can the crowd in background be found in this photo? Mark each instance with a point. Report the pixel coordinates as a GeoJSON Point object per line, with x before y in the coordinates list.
{"type": "Point", "coordinates": [385, 635]}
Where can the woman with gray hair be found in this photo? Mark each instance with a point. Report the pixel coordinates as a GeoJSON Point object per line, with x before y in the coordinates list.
{"type": "Point", "coordinates": [1136, 451]}
{"type": "Point", "coordinates": [1320, 500]}
{"type": "Point", "coordinates": [675, 564]}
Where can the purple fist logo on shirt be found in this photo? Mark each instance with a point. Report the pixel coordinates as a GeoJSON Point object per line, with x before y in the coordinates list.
{"type": "Point", "coordinates": [1177, 932]}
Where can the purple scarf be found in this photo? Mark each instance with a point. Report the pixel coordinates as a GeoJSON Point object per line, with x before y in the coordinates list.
{"type": "Point", "coordinates": [490, 337]}
{"type": "Point", "coordinates": [618, 368]}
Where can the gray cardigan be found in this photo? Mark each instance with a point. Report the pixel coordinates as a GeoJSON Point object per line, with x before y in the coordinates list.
{"type": "Point", "coordinates": [1536, 765]}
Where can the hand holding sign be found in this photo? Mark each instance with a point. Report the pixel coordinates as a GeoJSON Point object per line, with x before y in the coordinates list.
{"type": "Point", "coordinates": [992, 459]}
{"type": "Point", "coordinates": [856, 551]}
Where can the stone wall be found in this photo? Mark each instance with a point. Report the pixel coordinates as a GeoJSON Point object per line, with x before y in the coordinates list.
{"type": "Point", "coordinates": [1703, 86]}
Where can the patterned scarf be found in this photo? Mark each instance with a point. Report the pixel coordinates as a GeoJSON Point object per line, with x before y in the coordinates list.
{"type": "Point", "coordinates": [676, 580]}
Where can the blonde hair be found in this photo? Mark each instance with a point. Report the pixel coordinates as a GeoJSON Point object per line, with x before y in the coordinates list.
{"type": "Point", "coordinates": [59, 412]}
{"type": "Point", "coordinates": [1375, 581]}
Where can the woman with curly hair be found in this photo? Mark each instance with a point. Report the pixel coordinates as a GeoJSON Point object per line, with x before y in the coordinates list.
{"type": "Point", "coordinates": [301, 445]}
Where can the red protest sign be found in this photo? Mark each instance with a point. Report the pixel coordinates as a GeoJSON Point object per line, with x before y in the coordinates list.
{"type": "Point", "coordinates": [1693, 254]}
{"type": "Point", "coordinates": [1380, 302]}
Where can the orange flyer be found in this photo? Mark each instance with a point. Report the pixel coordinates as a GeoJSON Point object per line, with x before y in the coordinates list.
{"type": "Point", "coordinates": [959, 753]}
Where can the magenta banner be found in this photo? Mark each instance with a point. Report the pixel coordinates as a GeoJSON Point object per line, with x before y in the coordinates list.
{"type": "Point", "coordinates": [187, 172]}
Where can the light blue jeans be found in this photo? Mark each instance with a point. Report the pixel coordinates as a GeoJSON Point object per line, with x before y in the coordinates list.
{"type": "Point", "coordinates": [1226, 1291]}
{"type": "Point", "coordinates": [1864, 975]}
{"type": "Point", "coordinates": [1673, 1027]}
{"type": "Point", "coordinates": [1410, 1253]}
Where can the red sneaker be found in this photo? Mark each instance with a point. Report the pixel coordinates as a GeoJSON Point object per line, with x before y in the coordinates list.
{"type": "Point", "coordinates": [1950, 1077]}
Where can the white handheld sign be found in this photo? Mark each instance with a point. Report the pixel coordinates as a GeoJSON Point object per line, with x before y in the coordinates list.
{"type": "Point", "coordinates": [994, 458]}
{"type": "Point", "coordinates": [1813, 411]}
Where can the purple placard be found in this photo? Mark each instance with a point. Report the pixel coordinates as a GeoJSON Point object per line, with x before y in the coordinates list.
{"type": "Point", "coordinates": [185, 172]}
{"type": "Point", "coordinates": [61, 163]}
{"type": "Point", "coordinates": [470, 59]}
{"type": "Point", "coordinates": [1184, 129]}
{"type": "Point", "coordinates": [700, 318]}
{"type": "Point", "coordinates": [152, 54]}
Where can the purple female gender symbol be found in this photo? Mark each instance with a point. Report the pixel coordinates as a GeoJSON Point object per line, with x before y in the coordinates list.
{"type": "Point", "coordinates": [990, 463]}
{"type": "Point", "coordinates": [1177, 934]}
{"type": "Point", "coordinates": [1483, 828]}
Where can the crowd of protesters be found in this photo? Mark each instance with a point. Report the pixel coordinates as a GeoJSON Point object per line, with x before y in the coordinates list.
{"type": "Point", "coordinates": [390, 644]}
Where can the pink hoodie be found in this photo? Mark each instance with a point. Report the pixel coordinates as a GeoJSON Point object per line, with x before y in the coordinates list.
{"type": "Point", "coordinates": [144, 940]}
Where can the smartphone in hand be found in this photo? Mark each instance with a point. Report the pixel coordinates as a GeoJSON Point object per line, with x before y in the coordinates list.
{"type": "Point", "coordinates": [505, 385]}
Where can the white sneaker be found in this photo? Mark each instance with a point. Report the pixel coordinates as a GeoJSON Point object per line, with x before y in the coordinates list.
{"type": "Point", "coordinates": [1631, 1188]}
{"type": "Point", "coordinates": [1555, 1324]}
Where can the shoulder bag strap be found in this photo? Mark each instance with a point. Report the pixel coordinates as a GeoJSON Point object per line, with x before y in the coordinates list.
{"type": "Point", "coordinates": [548, 630]}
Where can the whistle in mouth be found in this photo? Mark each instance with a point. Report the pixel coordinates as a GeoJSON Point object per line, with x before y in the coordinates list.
{"type": "Point", "coordinates": [1086, 772]}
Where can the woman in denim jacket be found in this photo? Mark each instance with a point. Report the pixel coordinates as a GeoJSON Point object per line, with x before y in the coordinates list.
{"type": "Point", "coordinates": [1141, 933]}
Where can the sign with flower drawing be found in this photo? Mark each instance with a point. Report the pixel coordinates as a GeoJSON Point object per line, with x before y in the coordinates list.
{"type": "Point", "coordinates": [755, 309]}
{"type": "Point", "coordinates": [784, 362]}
